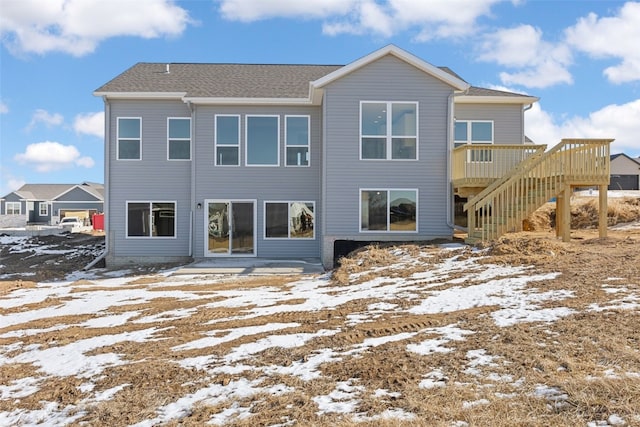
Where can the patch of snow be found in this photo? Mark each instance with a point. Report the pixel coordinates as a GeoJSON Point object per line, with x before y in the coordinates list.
{"type": "Point", "coordinates": [434, 379]}
{"type": "Point", "coordinates": [227, 335]}
{"type": "Point", "coordinates": [468, 405]}
{"type": "Point", "coordinates": [244, 351]}
{"type": "Point", "coordinates": [342, 400]}
{"type": "Point", "coordinates": [213, 395]}
{"type": "Point", "coordinates": [70, 359]}
{"type": "Point", "coordinates": [449, 333]}
{"type": "Point", "coordinates": [380, 392]}
{"type": "Point", "coordinates": [109, 393]}
{"type": "Point", "coordinates": [20, 388]}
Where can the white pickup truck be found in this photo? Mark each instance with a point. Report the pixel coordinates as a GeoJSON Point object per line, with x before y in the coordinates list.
{"type": "Point", "coordinates": [71, 223]}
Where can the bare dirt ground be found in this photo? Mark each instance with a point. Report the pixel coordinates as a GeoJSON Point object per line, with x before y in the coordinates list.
{"type": "Point", "coordinates": [580, 369]}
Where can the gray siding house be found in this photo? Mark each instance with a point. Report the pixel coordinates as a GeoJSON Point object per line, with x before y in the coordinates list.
{"type": "Point", "coordinates": [625, 172]}
{"type": "Point", "coordinates": [47, 204]}
{"type": "Point", "coordinates": [286, 161]}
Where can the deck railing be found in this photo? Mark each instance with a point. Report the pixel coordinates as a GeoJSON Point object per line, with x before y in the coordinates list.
{"type": "Point", "coordinates": [477, 164]}
{"type": "Point", "coordinates": [503, 205]}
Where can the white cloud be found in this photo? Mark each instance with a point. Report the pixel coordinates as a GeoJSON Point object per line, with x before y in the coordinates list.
{"type": "Point", "coordinates": [611, 37]}
{"type": "Point", "coordinates": [48, 119]}
{"type": "Point", "coordinates": [78, 26]}
{"type": "Point", "coordinates": [621, 122]}
{"type": "Point", "coordinates": [4, 108]}
{"type": "Point", "coordinates": [49, 156]}
{"type": "Point", "coordinates": [90, 124]}
{"type": "Point", "coordinates": [255, 10]}
{"type": "Point", "coordinates": [538, 63]}
{"type": "Point", "coordinates": [431, 19]}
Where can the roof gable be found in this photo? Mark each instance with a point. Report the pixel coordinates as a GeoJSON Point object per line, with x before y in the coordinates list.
{"type": "Point", "coordinates": [624, 156]}
{"type": "Point", "coordinates": [448, 78]}
{"type": "Point", "coordinates": [79, 193]}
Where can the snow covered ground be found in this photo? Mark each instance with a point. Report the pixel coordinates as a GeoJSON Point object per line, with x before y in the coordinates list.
{"type": "Point", "coordinates": [107, 314]}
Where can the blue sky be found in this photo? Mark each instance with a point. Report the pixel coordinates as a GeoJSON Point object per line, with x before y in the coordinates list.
{"type": "Point", "coordinates": [580, 57]}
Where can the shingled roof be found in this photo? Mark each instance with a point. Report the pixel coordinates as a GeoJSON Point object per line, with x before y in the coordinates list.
{"type": "Point", "coordinates": [220, 80]}
{"type": "Point", "coordinates": [201, 80]}
{"type": "Point", "coordinates": [52, 191]}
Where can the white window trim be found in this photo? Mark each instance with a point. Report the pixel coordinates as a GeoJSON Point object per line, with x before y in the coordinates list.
{"type": "Point", "coordinates": [388, 230]}
{"type": "Point", "coordinates": [470, 141]}
{"type": "Point", "coordinates": [288, 202]}
{"type": "Point", "coordinates": [205, 209]}
{"type": "Point", "coordinates": [287, 145]}
{"type": "Point", "coordinates": [246, 140]}
{"type": "Point", "coordinates": [13, 204]}
{"type": "Point", "coordinates": [215, 139]}
{"type": "Point", "coordinates": [180, 139]}
{"type": "Point", "coordinates": [389, 136]}
{"type": "Point", "coordinates": [150, 202]}
{"type": "Point", "coordinates": [118, 139]}
{"type": "Point", "coordinates": [46, 209]}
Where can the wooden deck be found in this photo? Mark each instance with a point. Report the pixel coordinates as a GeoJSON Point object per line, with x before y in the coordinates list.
{"type": "Point", "coordinates": [504, 184]}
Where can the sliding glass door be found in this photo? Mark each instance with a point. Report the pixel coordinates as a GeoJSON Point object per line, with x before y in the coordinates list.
{"type": "Point", "coordinates": [230, 228]}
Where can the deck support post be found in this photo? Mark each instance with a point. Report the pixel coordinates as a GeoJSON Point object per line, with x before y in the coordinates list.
{"type": "Point", "coordinates": [559, 199]}
{"type": "Point", "coordinates": [602, 210]}
{"type": "Point", "coordinates": [566, 214]}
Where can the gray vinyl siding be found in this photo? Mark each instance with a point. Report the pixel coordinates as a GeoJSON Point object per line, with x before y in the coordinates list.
{"type": "Point", "coordinates": [387, 79]}
{"type": "Point", "coordinates": [76, 195]}
{"type": "Point", "coordinates": [507, 120]}
{"type": "Point", "coordinates": [622, 165]}
{"type": "Point", "coordinates": [257, 183]}
{"type": "Point", "coordinates": [36, 217]}
{"type": "Point", "coordinates": [152, 179]}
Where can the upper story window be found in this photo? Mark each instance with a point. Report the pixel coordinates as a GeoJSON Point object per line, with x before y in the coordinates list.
{"type": "Point", "coordinates": [179, 138]}
{"type": "Point", "coordinates": [227, 140]}
{"type": "Point", "coordinates": [129, 138]}
{"type": "Point", "coordinates": [43, 209]}
{"type": "Point", "coordinates": [262, 141]}
{"type": "Point", "coordinates": [388, 210]}
{"type": "Point", "coordinates": [474, 132]}
{"type": "Point", "coordinates": [388, 130]}
{"type": "Point", "coordinates": [151, 219]}
{"type": "Point", "coordinates": [297, 140]}
{"type": "Point", "coordinates": [12, 208]}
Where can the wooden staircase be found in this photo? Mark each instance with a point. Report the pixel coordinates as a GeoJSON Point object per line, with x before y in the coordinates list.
{"type": "Point", "coordinates": [503, 205]}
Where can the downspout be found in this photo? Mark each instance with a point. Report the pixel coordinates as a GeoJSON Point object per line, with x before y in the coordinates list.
{"type": "Point", "coordinates": [107, 175]}
{"type": "Point", "coordinates": [524, 110]}
{"type": "Point", "coordinates": [193, 178]}
{"type": "Point", "coordinates": [450, 142]}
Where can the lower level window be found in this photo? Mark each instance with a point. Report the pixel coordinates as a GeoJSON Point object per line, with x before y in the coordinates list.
{"type": "Point", "coordinates": [151, 219]}
{"type": "Point", "coordinates": [289, 220]}
{"type": "Point", "coordinates": [388, 210]}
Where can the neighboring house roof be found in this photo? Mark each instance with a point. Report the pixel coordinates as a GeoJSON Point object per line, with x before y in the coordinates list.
{"type": "Point", "coordinates": [484, 95]}
{"type": "Point", "coordinates": [615, 156]}
{"type": "Point", "coordinates": [53, 191]}
{"type": "Point", "coordinates": [255, 83]}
